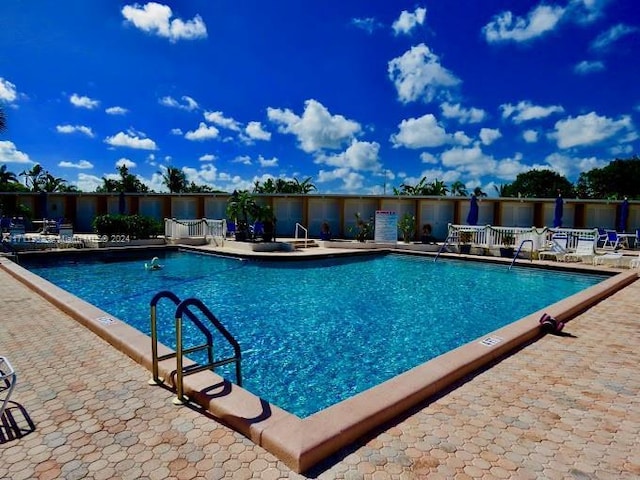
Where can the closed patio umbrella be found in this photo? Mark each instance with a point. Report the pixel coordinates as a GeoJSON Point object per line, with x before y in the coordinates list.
{"type": "Point", "coordinates": [624, 215]}
{"type": "Point", "coordinates": [121, 203]}
{"type": "Point", "coordinates": [557, 215]}
{"type": "Point", "coordinates": [472, 217]}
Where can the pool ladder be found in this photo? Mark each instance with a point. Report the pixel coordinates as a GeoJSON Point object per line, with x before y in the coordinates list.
{"type": "Point", "coordinates": [518, 252]}
{"type": "Point", "coordinates": [184, 309]}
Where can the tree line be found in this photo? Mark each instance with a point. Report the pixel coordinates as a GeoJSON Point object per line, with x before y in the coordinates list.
{"type": "Point", "coordinates": [617, 180]}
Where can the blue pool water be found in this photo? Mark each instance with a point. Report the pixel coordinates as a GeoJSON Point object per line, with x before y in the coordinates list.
{"type": "Point", "coordinates": [319, 331]}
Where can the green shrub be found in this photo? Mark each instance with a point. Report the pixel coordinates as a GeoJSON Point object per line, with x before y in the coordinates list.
{"type": "Point", "coordinates": [137, 227]}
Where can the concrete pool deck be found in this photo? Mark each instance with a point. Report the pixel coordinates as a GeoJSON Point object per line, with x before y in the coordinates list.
{"type": "Point", "coordinates": [560, 407]}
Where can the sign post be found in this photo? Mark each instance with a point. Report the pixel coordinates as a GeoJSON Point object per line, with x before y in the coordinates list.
{"type": "Point", "coordinates": [386, 227]}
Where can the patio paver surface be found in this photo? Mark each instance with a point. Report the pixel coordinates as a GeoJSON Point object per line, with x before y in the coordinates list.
{"type": "Point", "coordinates": [562, 407]}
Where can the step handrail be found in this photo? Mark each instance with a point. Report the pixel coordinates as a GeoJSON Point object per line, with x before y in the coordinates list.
{"type": "Point", "coordinates": [444, 244]}
{"type": "Point", "coordinates": [184, 308]}
{"type": "Point", "coordinates": [155, 359]}
{"type": "Point", "coordinates": [306, 233]}
{"type": "Point", "coordinates": [520, 248]}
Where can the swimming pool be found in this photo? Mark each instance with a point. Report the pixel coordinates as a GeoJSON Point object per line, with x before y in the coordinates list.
{"type": "Point", "coordinates": [319, 331]}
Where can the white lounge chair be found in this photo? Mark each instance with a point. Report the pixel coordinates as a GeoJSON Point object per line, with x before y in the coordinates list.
{"type": "Point", "coordinates": [585, 249]}
{"type": "Point", "coordinates": [612, 259]}
{"type": "Point", "coordinates": [557, 248]}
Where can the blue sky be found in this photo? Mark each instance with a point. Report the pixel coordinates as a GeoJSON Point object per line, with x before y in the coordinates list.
{"type": "Point", "coordinates": [359, 95]}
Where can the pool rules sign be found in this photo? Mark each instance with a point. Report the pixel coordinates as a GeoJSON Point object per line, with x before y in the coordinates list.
{"type": "Point", "coordinates": [386, 227]}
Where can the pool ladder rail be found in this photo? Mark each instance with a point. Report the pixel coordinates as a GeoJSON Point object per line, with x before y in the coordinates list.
{"type": "Point", "coordinates": [184, 309]}
{"type": "Point", "coordinates": [518, 251]}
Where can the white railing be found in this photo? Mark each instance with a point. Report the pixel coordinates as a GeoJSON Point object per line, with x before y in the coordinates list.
{"type": "Point", "coordinates": [202, 228]}
{"type": "Point", "coordinates": [488, 236]}
{"type": "Point", "coordinates": [306, 233]}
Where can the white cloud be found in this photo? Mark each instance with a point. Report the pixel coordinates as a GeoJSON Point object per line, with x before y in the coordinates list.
{"type": "Point", "coordinates": [203, 132]}
{"type": "Point", "coordinates": [83, 102]}
{"type": "Point", "coordinates": [525, 111]}
{"type": "Point", "coordinates": [606, 39]}
{"type": "Point", "coordinates": [408, 21]}
{"type": "Point", "coordinates": [207, 158]}
{"type": "Point", "coordinates": [530, 136]}
{"type": "Point", "coordinates": [188, 103]}
{"type": "Point", "coordinates": [317, 129]}
{"type": "Point", "coordinates": [586, 11]}
{"type": "Point", "coordinates": [463, 115]}
{"type": "Point", "coordinates": [505, 27]}
{"type": "Point", "coordinates": [588, 66]}
{"type": "Point", "coordinates": [126, 163]}
{"type": "Point", "coordinates": [425, 132]}
{"type": "Point", "coordinates": [116, 111]}
{"type": "Point", "coordinates": [426, 157]}
{"type": "Point", "coordinates": [131, 140]}
{"type": "Point", "coordinates": [177, 131]}
{"type": "Point", "coordinates": [82, 165]}
{"type": "Point", "coordinates": [8, 92]}
{"type": "Point", "coordinates": [489, 135]}
{"type": "Point", "coordinates": [358, 156]}
{"type": "Point", "coordinates": [470, 160]}
{"type": "Point", "coordinates": [571, 167]}
{"type": "Point", "coordinates": [243, 159]}
{"type": "Point", "coordinates": [368, 24]}
{"type": "Point", "coordinates": [351, 181]}
{"type": "Point", "coordinates": [9, 153]}
{"type": "Point", "coordinates": [591, 128]}
{"type": "Point", "coordinates": [418, 75]}
{"type": "Point", "coordinates": [88, 183]}
{"type": "Point", "coordinates": [219, 119]}
{"type": "Point", "coordinates": [267, 163]}
{"type": "Point", "coordinates": [75, 128]}
{"type": "Point", "coordinates": [255, 131]}
{"type": "Point", "coordinates": [155, 18]}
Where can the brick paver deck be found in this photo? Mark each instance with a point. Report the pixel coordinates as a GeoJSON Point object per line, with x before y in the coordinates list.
{"type": "Point", "coordinates": [562, 407]}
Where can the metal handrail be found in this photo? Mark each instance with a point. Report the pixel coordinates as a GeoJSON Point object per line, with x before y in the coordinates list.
{"type": "Point", "coordinates": [520, 248]}
{"type": "Point", "coordinates": [154, 335]}
{"type": "Point", "coordinates": [183, 308]}
{"type": "Point", "coordinates": [306, 234]}
{"type": "Point", "coordinates": [446, 242]}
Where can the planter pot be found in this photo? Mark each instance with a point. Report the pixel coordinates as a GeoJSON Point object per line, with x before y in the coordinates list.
{"type": "Point", "coordinates": [506, 252]}
{"type": "Point", "coordinates": [465, 248]}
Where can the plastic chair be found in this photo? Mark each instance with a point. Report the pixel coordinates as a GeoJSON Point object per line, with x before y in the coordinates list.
{"type": "Point", "coordinates": [231, 228]}
{"type": "Point", "coordinates": [613, 240]}
{"type": "Point", "coordinates": [7, 381]}
{"type": "Point", "coordinates": [558, 248]}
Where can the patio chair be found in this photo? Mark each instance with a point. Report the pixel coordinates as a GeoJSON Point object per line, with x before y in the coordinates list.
{"type": "Point", "coordinates": [602, 237]}
{"type": "Point", "coordinates": [586, 248]}
{"type": "Point", "coordinates": [635, 262]}
{"type": "Point", "coordinates": [231, 228]}
{"type": "Point", "coordinates": [557, 248]}
{"type": "Point", "coordinates": [7, 382]}
{"type": "Point", "coordinates": [612, 241]}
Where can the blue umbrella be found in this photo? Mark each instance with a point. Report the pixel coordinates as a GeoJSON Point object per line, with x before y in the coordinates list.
{"type": "Point", "coordinates": [557, 215]}
{"type": "Point", "coordinates": [624, 215]}
{"type": "Point", "coordinates": [472, 217]}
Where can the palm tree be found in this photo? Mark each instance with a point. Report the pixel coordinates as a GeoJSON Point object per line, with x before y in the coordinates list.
{"type": "Point", "coordinates": [6, 176]}
{"type": "Point", "coordinates": [175, 180]}
{"type": "Point", "coordinates": [458, 189]}
{"type": "Point", "coordinates": [240, 206]}
{"type": "Point", "coordinates": [34, 177]}
{"type": "Point", "coordinates": [478, 192]}
{"type": "Point", "coordinates": [438, 187]}
{"type": "Point", "coordinates": [49, 183]}
{"type": "Point", "coordinates": [305, 186]}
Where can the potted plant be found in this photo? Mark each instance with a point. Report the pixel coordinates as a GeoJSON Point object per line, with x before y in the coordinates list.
{"type": "Point", "coordinates": [464, 239]}
{"type": "Point", "coordinates": [240, 206]}
{"type": "Point", "coordinates": [407, 226]}
{"type": "Point", "coordinates": [508, 241]}
{"type": "Point", "coordinates": [363, 229]}
{"type": "Point", "coordinates": [265, 215]}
